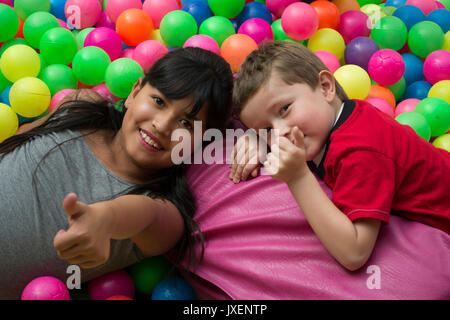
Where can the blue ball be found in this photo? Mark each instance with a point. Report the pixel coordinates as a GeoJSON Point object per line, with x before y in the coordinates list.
{"type": "Point", "coordinates": [57, 9]}
{"type": "Point", "coordinates": [395, 3]}
{"type": "Point", "coordinates": [418, 90]}
{"type": "Point", "coordinates": [173, 289]}
{"type": "Point", "coordinates": [254, 10]}
{"type": "Point", "coordinates": [184, 2]}
{"type": "Point", "coordinates": [441, 17]}
{"type": "Point", "coordinates": [410, 15]}
{"type": "Point", "coordinates": [199, 10]}
{"type": "Point", "coordinates": [413, 68]}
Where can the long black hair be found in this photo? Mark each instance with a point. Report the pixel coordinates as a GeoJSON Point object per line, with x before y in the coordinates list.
{"type": "Point", "coordinates": [178, 74]}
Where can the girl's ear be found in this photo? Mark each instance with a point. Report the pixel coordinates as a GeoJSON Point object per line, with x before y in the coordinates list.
{"type": "Point", "coordinates": [327, 85]}
{"type": "Point", "coordinates": [136, 88]}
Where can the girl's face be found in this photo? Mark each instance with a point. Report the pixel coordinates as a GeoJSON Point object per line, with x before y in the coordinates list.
{"type": "Point", "coordinates": [148, 125]}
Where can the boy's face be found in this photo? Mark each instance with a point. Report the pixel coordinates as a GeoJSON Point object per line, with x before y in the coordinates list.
{"type": "Point", "coordinates": [278, 105]}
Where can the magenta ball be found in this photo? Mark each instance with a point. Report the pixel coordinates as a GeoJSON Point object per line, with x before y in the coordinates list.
{"type": "Point", "coordinates": [407, 105]}
{"type": "Point", "coordinates": [8, 2]}
{"type": "Point", "coordinates": [354, 24]}
{"type": "Point", "coordinates": [381, 105]}
{"type": "Point", "coordinates": [117, 283]}
{"type": "Point", "coordinates": [437, 66]}
{"type": "Point", "coordinates": [425, 5]}
{"type": "Point", "coordinates": [386, 67]}
{"type": "Point", "coordinates": [329, 60]}
{"type": "Point", "coordinates": [127, 53]}
{"type": "Point", "coordinates": [58, 97]}
{"type": "Point", "coordinates": [300, 21]}
{"type": "Point", "coordinates": [203, 41]}
{"type": "Point", "coordinates": [106, 39]}
{"type": "Point", "coordinates": [147, 52]}
{"type": "Point", "coordinates": [45, 288]}
{"type": "Point", "coordinates": [103, 90]}
{"type": "Point", "coordinates": [82, 13]}
{"type": "Point", "coordinates": [105, 21]}
{"type": "Point", "coordinates": [440, 5]}
{"type": "Point", "coordinates": [115, 7]}
{"type": "Point", "coordinates": [258, 29]}
{"type": "Point", "coordinates": [63, 24]}
{"type": "Point", "coordinates": [157, 9]}
{"type": "Point", "coordinates": [276, 7]}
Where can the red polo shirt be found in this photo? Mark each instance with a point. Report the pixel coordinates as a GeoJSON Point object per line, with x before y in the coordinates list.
{"type": "Point", "coordinates": [376, 166]}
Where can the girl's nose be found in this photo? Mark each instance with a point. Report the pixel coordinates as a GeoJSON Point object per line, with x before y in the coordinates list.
{"type": "Point", "coordinates": [163, 123]}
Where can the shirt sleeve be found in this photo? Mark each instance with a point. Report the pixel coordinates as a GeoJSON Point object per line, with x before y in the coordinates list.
{"type": "Point", "coordinates": [365, 185]}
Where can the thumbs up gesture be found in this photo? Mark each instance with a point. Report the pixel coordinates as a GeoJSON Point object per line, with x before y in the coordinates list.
{"type": "Point", "coordinates": [87, 241]}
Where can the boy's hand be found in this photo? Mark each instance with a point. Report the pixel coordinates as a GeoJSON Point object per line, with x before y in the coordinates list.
{"type": "Point", "coordinates": [87, 242]}
{"type": "Point", "coordinates": [287, 161]}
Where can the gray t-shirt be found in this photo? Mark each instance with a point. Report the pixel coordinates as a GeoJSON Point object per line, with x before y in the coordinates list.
{"type": "Point", "coordinates": [31, 212]}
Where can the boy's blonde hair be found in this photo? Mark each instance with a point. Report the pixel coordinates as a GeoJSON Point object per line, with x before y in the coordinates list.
{"type": "Point", "coordinates": [293, 62]}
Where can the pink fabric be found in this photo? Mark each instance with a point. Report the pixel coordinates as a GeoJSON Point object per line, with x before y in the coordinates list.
{"type": "Point", "coordinates": [260, 246]}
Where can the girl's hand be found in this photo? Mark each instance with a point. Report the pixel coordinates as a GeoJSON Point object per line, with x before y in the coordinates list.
{"type": "Point", "coordinates": [287, 161]}
{"type": "Point", "coordinates": [87, 242]}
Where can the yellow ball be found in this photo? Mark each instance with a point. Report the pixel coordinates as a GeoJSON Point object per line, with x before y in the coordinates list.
{"type": "Point", "coordinates": [441, 90]}
{"type": "Point", "coordinates": [9, 122]}
{"type": "Point", "coordinates": [446, 45]}
{"type": "Point", "coordinates": [354, 80]}
{"type": "Point", "coordinates": [29, 97]}
{"type": "Point", "coordinates": [442, 142]}
{"type": "Point", "coordinates": [156, 35]}
{"type": "Point", "coordinates": [328, 40]}
{"type": "Point", "coordinates": [20, 61]}
{"type": "Point", "coordinates": [374, 13]}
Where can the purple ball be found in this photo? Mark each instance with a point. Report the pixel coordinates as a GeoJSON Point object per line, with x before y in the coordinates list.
{"type": "Point", "coordinates": [45, 288]}
{"type": "Point", "coordinates": [359, 51]}
{"type": "Point", "coordinates": [257, 29]}
{"type": "Point", "coordinates": [117, 283]}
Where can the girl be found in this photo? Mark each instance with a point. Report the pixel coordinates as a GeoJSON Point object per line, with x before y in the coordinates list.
{"type": "Point", "coordinates": [99, 184]}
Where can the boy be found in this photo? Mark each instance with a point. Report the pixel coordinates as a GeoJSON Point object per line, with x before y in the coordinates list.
{"type": "Point", "coordinates": [373, 164]}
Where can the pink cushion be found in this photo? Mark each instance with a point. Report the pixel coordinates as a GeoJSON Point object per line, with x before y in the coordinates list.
{"type": "Point", "coordinates": [260, 246]}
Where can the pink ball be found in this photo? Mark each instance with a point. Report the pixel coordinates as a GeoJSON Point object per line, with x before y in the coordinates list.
{"type": "Point", "coordinates": [258, 29]}
{"type": "Point", "coordinates": [157, 9]}
{"type": "Point", "coordinates": [381, 105]}
{"type": "Point", "coordinates": [111, 284]}
{"type": "Point", "coordinates": [300, 21]}
{"type": "Point", "coordinates": [82, 13]}
{"type": "Point", "coordinates": [147, 52]}
{"type": "Point", "coordinates": [105, 21]}
{"type": "Point", "coordinates": [277, 6]}
{"type": "Point", "coordinates": [386, 67]}
{"type": "Point", "coordinates": [58, 97]}
{"type": "Point", "coordinates": [203, 41]}
{"type": "Point", "coordinates": [8, 2]}
{"type": "Point", "coordinates": [115, 7]}
{"type": "Point", "coordinates": [329, 59]}
{"type": "Point", "coordinates": [437, 66]}
{"type": "Point", "coordinates": [425, 5]}
{"type": "Point", "coordinates": [440, 5]}
{"type": "Point", "coordinates": [407, 105]}
{"type": "Point", "coordinates": [127, 53]}
{"type": "Point", "coordinates": [107, 39]}
{"type": "Point", "coordinates": [45, 288]}
{"type": "Point", "coordinates": [103, 90]}
{"type": "Point", "coordinates": [353, 24]}
{"type": "Point", "coordinates": [63, 24]}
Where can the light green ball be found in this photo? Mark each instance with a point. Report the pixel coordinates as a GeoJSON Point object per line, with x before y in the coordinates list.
{"type": "Point", "coordinates": [437, 112]}
{"type": "Point", "coordinates": [90, 64]}
{"type": "Point", "coordinates": [416, 121]}
{"type": "Point", "coordinates": [176, 27]}
{"type": "Point", "coordinates": [121, 75]}
{"type": "Point", "coordinates": [58, 46]}
{"type": "Point", "coordinates": [36, 25]}
{"type": "Point", "coordinates": [226, 8]}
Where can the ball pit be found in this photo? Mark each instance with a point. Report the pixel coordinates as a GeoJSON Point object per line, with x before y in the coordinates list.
{"type": "Point", "coordinates": [441, 17]}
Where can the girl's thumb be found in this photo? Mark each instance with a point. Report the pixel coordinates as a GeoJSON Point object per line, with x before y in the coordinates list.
{"type": "Point", "coordinates": [71, 205]}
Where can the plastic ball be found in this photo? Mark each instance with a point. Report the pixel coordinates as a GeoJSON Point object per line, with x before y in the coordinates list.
{"type": "Point", "coordinates": [437, 113]}
{"type": "Point", "coordinates": [441, 17]}
{"type": "Point", "coordinates": [279, 34]}
{"type": "Point", "coordinates": [111, 284]}
{"type": "Point", "coordinates": [413, 68]}
{"type": "Point", "coordinates": [36, 25]}
{"type": "Point", "coordinates": [57, 9]}
{"type": "Point", "coordinates": [446, 45]}
{"type": "Point", "coordinates": [58, 97]}
{"type": "Point", "coordinates": [417, 122]}
{"type": "Point", "coordinates": [374, 13]}
{"type": "Point", "coordinates": [157, 9]}
{"type": "Point", "coordinates": [329, 60]}
{"type": "Point", "coordinates": [353, 24]}
{"type": "Point", "coordinates": [25, 8]}
{"type": "Point", "coordinates": [115, 7]}
{"type": "Point", "coordinates": [445, 3]}
{"type": "Point", "coordinates": [83, 13]}
{"type": "Point", "coordinates": [9, 22]}
{"type": "Point", "coordinates": [329, 40]}
{"type": "Point", "coordinates": [176, 27]}
{"type": "Point", "coordinates": [424, 38]}
{"type": "Point", "coordinates": [119, 298]}
{"type": "Point", "coordinates": [441, 90]}
{"type": "Point", "coordinates": [381, 105]}
{"type": "Point", "coordinates": [218, 28]}
{"type": "Point", "coordinates": [417, 90]}
{"type": "Point", "coordinates": [199, 10]}
{"type": "Point", "coordinates": [148, 52]}
{"type": "Point", "coordinates": [9, 123]}
{"type": "Point", "coordinates": [45, 288]}
{"type": "Point", "coordinates": [3, 81]}
{"type": "Point", "coordinates": [398, 88]}
{"type": "Point", "coordinates": [236, 48]}
{"type": "Point", "coordinates": [128, 53]}
{"type": "Point", "coordinates": [386, 67]}
{"type": "Point", "coordinates": [382, 92]}
{"type": "Point", "coordinates": [103, 90]}
{"type": "Point", "coordinates": [106, 39]}
{"type": "Point", "coordinates": [359, 51]}
{"type": "Point", "coordinates": [80, 36]}
{"type": "Point", "coordinates": [257, 29]}
{"type": "Point", "coordinates": [58, 77]}
{"type": "Point", "coordinates": [29, 97]}
{"type": "Point", "coordinates": [4, 97]}
{"type": "Point", "coordinates": [277, 7]}
{"type": "Point", "coordinates": [148, 273]}
{"type": "Point", "coordinates": [442, 142]}
{"type": "Point", "coordinates": [407, 105]}
{"type": "Point", "coordinates": [121, 75]}
{"type": "Point", "coordinates": [175, 288]}
{"type": "Point", "coordinates": [425, 5]}
{"type": "Point", "coordinates": [390, 33]}
{"type": "Point", "coordinates": [19, 61]}
{"type": "Point", "coordinates": [58, 45]}
{"type": "Point", "coordinates": [354, 80]}
{"type": "Point", "coordinates": [134, 26]}
{"type": "Point", "coordinates": [254, 10]}
{"type": "Point", "coordinates": [296, 12]}
{"type": "Point", "coordinates": [11, 43]}
{"type": "Point", "coordinates": [395, 3]}
{"type": "Point", "coordinates": [437, 66]}
{"type": "Point", "coordinates": [89, 65]}
{"type": "Point", "coordinates": [410, 15]}
{"type": "Point", "coordinates": [204, 42]}
{"type": "Point", "coordinates": [328, 13]}
{"type": "Point", "coordinates": [105, 21]}
{"type": "Point", "coordinates": [226, 8]}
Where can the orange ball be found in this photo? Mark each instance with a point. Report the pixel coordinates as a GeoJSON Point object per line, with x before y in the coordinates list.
{"type": "Point", "coordinates": [236, 48]}
{"type": "Point", "coordinates": [134, 26]}
{"type": "Point", "coordinates": [19, 33]}
{"type": "Point", "coordinates": [329, 16]}
{"type": "Point", "coordinates": [383, 93]}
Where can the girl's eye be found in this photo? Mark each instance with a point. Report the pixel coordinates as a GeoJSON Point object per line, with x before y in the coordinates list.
{"type": "Point", "coordinates": [187, 124]}
{"type": "Point", "coordinates": [158, 101]}
{"type": "Point", "coordinates": [284, 108]}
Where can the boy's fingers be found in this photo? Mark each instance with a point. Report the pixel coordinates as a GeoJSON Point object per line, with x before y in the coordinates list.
{"type": "Point", "coordinates": [298, 137]}
{"type": "Point", "coordinates": [64, 240]}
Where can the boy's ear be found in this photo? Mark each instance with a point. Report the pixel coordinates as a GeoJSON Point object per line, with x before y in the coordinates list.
{"type": "Point", "coordinates": [327, 85]}
{"type": "Point", "coordinates": [136, 88]}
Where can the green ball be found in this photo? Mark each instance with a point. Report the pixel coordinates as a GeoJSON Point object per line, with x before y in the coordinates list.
{"type": "Point", "coordinates": [364, 2]}
{"type": "Point", "coordinates": [148, 273]}
{"type": "Point", "coordinates": [11, 43]}
{"type": "Point", "coordinates": [416, 121]}
{"type": "Point", "coordinates": [226, 8]}
{"type": "Point", "coordinates": [446, 3]}
{"type": "Point", "coordinates": [81, 35]}
{"type": "Point", "coordinates": [217, 27]}
{"type": "Point", "coordinates": [121, 75]}
{"type": "Point", "coordinates": [58, 46]}
{"type": "Point", "coordinates": [58, 77]}
{"type": "Point", "coordinates": [437, 112]}
{"type": "Point", "coordinates": [390, 33]}
{"type": "Point", "coordinates": [176, 27]}
{"type": "Point", "coordinates": [279, 33]}
{"type": "Point", "coordinates": [90, 64]}
{"type": "Point", "coordinates": [425, 37]}
{"type": "Point", "coordinates": [3, 81]}
{"type": "Point", "coordinates": [9, 22]}
{"type": "Point", "coordinates": [398, 88]}
{"type": "Point", "coordinates": [36, 25]}
{"type": "Point", "coordinates": [25, 8]}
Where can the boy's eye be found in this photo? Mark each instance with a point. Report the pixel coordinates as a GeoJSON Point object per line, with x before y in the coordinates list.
{"type": "Point", "coordinates": [284, 108]}
{"type": "Point", "coordinates": [158, 101]}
